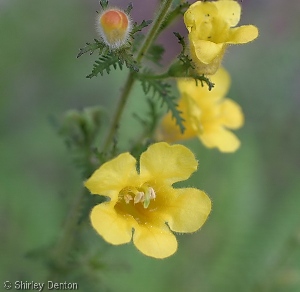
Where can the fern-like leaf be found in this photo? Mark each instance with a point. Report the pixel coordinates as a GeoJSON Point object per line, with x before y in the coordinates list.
{"type": "Point", "coordinates": [155, 53]}
{"type": "Point", "coordinates": [180, 41]}
{"type": "Point", "coordinates": [127, 58]}
{"type": "Point", "coordinates": [113, 59]}
{"type": "Point", "coordinates": [186, 67]}
{"type": "Point", "coordinates": [153, 115]}
{"type": "Point", "coordinates": [129, 8]}
{"type": "Point", "coordinates": [104, 64]}
{"type": "Point", "coordinates": [162, 90]}
{"type": "Point", "coordinates": [203, 79]}
{"type": "Point", "coordinates": [92, 47]}
{"type": "Point", "coordinates": [138, 27]}
{"type": "Point", "coordinates": [103, 4]}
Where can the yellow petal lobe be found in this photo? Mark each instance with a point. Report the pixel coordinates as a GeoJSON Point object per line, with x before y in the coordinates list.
{"type": "Point", "coordinates": [232, 115]}
{"type": "Point", "coordinates": [113, 176]}
{"type": "Point", "coordinates": [220, 138]}
{"type": "Point", "coordinates": [229, 11]}
{"type": "Point", "coordinates": [155, 242]}
{"type": "Point", "coordinates": [189, 210]}
{"type": "Point", "coordinates": [206, 51]}
{"type": "Point", "coordinates": [242, 34]}
{"type": "Point", "coordinates": [168, 163]}
{"type": "Point", "coordinates": [110, 225]}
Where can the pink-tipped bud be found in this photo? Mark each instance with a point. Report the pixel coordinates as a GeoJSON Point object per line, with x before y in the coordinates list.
{"type": "Point", "coordinates": [114, 26]}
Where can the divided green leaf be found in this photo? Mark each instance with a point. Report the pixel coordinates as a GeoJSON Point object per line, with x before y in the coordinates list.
{"type": "Point", "coordinates": [103, 4]}
{"type": "Point", "coordinates": [126, 57]}
{"type": "Point", "coordinates": [162, 90]}
{"type": "Point", "coordinates": [150, 119]}
{"type": "Point", "coordinates": [139, 27]}
{"type": "Point", "coordinates": [153, 115]}
{"type": "Point", "coordinates": [180, 41]}
{"type": "Point", "coordinates": [155, 53]}
{"type": "Point", "coordinates": [203, 78]}
{"type": "Point", "coordinates": [129, 8]}
{"type": "Point", "coordinates": [186, 62]}
{"type": "Point", "coordinates": [117, 59]}
{"type": "Point", "coordinates": [92, 47]}
{"type": "Point", "coordinates": [80, 131]}
{"type": "Point", "coordinates": [104, 64]}
{"type": "Point", "coordinates": [186, 66]}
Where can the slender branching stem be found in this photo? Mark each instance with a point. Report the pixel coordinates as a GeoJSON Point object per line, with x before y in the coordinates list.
{"type": "Point", "coordinates": [59, 256]}
{"type": "Point", "coordinates": [65, 242]}
{"type": "Point", "coordinates": [150, 37]}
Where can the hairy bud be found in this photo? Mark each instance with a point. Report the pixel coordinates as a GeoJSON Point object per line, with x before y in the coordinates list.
{"type": "Point", "coordinates": [114, 26]}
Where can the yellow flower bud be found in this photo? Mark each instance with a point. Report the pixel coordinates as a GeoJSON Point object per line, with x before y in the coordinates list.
{"type": "Point", "coordinates": [114, 26]}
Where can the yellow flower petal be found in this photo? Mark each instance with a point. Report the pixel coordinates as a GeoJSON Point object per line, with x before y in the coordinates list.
{"type": "Point", "coordinates": [198, 13]}
{"type": "Point", "coordinates": [242, 34]}
{"type": "Point", "coordinates": [188, 210]}
{"type": "Point", "coordinates": [229, 11]}
{"type": "Point", "coordinates": [206, 51]}
{"type": "Point", "coordinates": [192, 113]}
{"type": "Point", "coordinates": [210, 31]}
{"type": "Point", "coordinates": [169, 131]}
{"type": "Point", "coordinates": [144, 202]}
{"type": "Point", "coordinates": [113, 176]}
{"type": "Point", "coordinates": [232, 115]}
{"type": "Point", "coordinates": [221, 80]}
{"type": "Point", "coordinates": [188, 86]}
{"type": "Point", "coordinates": [155, 242]}
{"type": "Point", "coordinates": [110, 225]}
{"type": "Point", "coordinates": [168, 163]}
{"type": "Point", "coordinates": [206, 114]}
{"type": "Point", "coordinates": [221, 138]}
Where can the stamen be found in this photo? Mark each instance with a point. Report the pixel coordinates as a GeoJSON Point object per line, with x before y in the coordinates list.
{"type": "Point", "coordinates": [139, 197]}
{"type": "Point", "coordinates": [127, 198]}
{"type": "Point", "coordinates": [152, 193]}
{"type": "Point", "coordinates": [142, 195]}
{"type": "Point", "coordinates": [149, 195]}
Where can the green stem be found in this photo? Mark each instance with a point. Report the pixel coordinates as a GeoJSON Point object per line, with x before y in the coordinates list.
{"type": "Point", "coordinates": [65, 241]}
{"type": "Point", "coordinates": [154, 29]}
{"type": "Point", "coordinates": [156, 77]}
{"type": "Point", "coordinates": [123, 99]}
{"type": "Point", "coordinates": [150, 37]}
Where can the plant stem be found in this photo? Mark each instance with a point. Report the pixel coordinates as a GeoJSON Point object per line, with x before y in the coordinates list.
{"type": "Point", "coordinates": [152, 34]}
{"type": "Point", "coordinates": [65, 241]}
{"type": "Point", "coordinates": [150, 37]}
{"type": "Point", "coordinates": [156, 77]}
{"type": "Point", "coordinates": [67, 237]}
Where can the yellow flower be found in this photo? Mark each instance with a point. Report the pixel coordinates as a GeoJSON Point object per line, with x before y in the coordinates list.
{"type": "Point", "coordinates": [207, 114]}
{"type": "Point", "coordinates": [144, 200]}
{"type": "Point", "coordinates": [211, 27]}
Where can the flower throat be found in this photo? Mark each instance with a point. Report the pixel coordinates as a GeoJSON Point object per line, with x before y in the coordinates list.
{"type": "Point", "coordinates": [143, 195]}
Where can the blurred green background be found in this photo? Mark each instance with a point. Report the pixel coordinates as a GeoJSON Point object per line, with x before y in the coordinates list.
{"type": "Point", "coordinates": [251, 241]}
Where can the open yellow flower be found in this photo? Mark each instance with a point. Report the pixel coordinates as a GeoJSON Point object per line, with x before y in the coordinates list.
{"type": "Point", "coordinates": [146, 202]}
{"type": "Point", "coordinates": [211, 27]}
{"type": "Point", "coordinates": [207, 114]}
